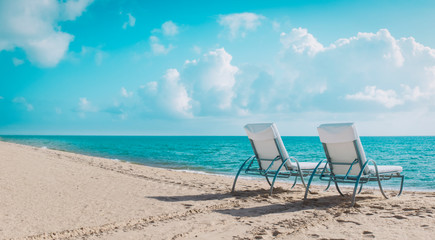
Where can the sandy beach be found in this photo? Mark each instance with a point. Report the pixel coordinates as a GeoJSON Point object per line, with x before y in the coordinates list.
{"type": "Point", "coordinates": [48, 194]}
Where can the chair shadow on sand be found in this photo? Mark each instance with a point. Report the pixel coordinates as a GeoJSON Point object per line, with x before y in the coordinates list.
{"type": "Point", "coordinates": [321, 203]}
{"type": "Point", "coordinates": [211, 196]}
{"type": "Point", "coordinates": [261, 195]}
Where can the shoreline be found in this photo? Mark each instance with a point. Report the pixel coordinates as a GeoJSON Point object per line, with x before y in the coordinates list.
{"type": "Point", "coordinates": [50, 194]}
{"type": "Point", "coordinates": [406, 189]}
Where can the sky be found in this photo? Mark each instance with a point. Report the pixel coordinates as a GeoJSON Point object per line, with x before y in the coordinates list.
{"type": "Point", "coordinates": [110, 67]}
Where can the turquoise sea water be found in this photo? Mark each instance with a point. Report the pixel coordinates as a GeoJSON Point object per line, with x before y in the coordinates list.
{"type": "Point", "coordinates": [223, 155]}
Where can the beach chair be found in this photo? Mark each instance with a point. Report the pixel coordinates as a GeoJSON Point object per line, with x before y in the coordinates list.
{"type": "Point", "coordinates": [347, 162]}
{"type": "Point", "coordinates": [271, 159]}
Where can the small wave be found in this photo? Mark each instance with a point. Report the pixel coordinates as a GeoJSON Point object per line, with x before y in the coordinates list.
{"type": "Point", "coordinates": [44, 147]}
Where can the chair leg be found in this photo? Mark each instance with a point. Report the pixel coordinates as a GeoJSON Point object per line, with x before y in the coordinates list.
{"type": "Point", "coordinates": [354, 192]}
{"type": "Point", "coordinates": [238, 173]}
{"type": "Point", "coordinates": [268, 181]}
{"type": "Point", "coordinates": [296, 180]}
{"type": "Point", "coordinates": [302, 178]}
{"type": "Point", "coordinates": [379, 181]}
{"type": "Point", "coordinates": [401, 186]}
{"type": "Point", "coordinates": [300, 172]}
{"type": "Point", "coordinates": [338, 189]}
{"type": "Point", "coordinates": [360, 188]}
{"type": "Point", "coordinates": [307, 189]}
{"type": "Point", "coordinates": [382, 190]}
{"type": "Point", "coordinates": [273, 183]}
{"type": "Point", "coordinates": [327, 187]}
{"type": "Point", "coordinates": [276, 175]}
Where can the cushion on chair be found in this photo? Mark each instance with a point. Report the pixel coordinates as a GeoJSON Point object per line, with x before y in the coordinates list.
{"type": "Point", "coordinates": [386, 169]}
{"type": "Point", "coordinates": [306, 165]}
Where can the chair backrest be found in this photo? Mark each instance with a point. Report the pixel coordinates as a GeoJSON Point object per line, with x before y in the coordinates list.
{"type": "Point", "coordinates": [342, 147]}
{"type": "Point", "coordinates": [267, 145]}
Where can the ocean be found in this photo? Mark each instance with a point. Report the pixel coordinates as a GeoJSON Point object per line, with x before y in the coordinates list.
{"type": "Point", "coordinates": [224, 154]}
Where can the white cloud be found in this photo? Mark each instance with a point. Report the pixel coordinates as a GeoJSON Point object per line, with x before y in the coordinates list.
{"type": "Point", "coordinates": [301, 41]}
{"type": "Point", "coordinates": [126, 93]}
{"type": "Point", "coordinates": [158, 48]}
{"type": "Point", "coordinates": [72, 9]}
{"type": "Point", "coordinates": [169, 28]}
{"type": "Point", "coordinates": [353, 73]}
{"type": "Point", "coordinates": [17, 61]}
{"type": "Point", "coordinates": [213, 78]}
{"type": "Point", "coordinates": [168, 96]}
{"type": "Point", "coordinates": [388, 98]}
{"type": "Point", "coordinates": [131, 21]}
{"type": "Point", "coordinates": [23, 101]}
{"type": "Point", "coordinates": [239, 24]}
{"type": "Point", "coordinates": [205, 87]}
{"type": "Point", "coordinates": [363, 76]}
{"type": "Point", "coordinates": [33, 26]}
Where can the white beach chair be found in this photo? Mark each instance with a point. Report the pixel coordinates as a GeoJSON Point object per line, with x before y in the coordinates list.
{"type": "Point", "coordinates": [271, 158]}
{"type": "Point", "coordinates": [347, 161]}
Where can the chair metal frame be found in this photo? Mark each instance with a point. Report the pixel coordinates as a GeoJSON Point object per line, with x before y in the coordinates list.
{"type": "Point", "coordinates": [287, 173]}
{"type": "Point", "coordinates": [362, 178]}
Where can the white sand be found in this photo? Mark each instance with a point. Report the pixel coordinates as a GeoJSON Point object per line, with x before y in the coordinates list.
{"type": "Point", "coordinates": [47, 194]}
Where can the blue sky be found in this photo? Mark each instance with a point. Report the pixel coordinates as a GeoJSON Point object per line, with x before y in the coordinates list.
{"type": "Point", "coordinates": [207, 68]}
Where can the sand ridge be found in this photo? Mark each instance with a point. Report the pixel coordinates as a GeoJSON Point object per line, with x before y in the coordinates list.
{"type": "Point", "coordinates": [48, 194]}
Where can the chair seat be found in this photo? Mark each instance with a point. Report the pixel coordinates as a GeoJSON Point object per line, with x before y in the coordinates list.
{"type": "Point", "coordinates": [386, 169]}
{"type": "Point", "coordinates": [306, 165]}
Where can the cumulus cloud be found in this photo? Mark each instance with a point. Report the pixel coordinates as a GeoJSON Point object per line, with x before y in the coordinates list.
{"type": "Point", "coordinates": [131, 21]}
{"type": "Point", "coordinates": [369, 73]}
{"type": "Point", "coordinates": [33, 26]}
{"type": "Point", "coordinates": [212, 79]}
{"type": "Point", "coordinates": [22, 101]}
{"type": "Point", "coordinates": [239, 24]}
{"type": "Point", "coordinates": [169, 28]}
{"type": "Point", "coordinates": [204, 87]}
{"type": "Point", "coordinates": [158, 48]}
{"type": "Point", "coordinates": [351, 73]}
{"type": "Point", "coordinates": [168, 96]}
{"type": "Point", "coordinates": [388, 98]}
{"type": "Point", "coordinates": [72, 9]}
{"type": "Point", "coordinates": [301, 41]}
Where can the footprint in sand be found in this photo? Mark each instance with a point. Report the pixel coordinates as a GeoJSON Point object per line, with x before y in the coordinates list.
{"type": "Point", "coordinates": [187, 206]}
{"type": "Point", "coordinates": [368, 234]}
{"type": "Point", "coordinates": [276, 233]}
